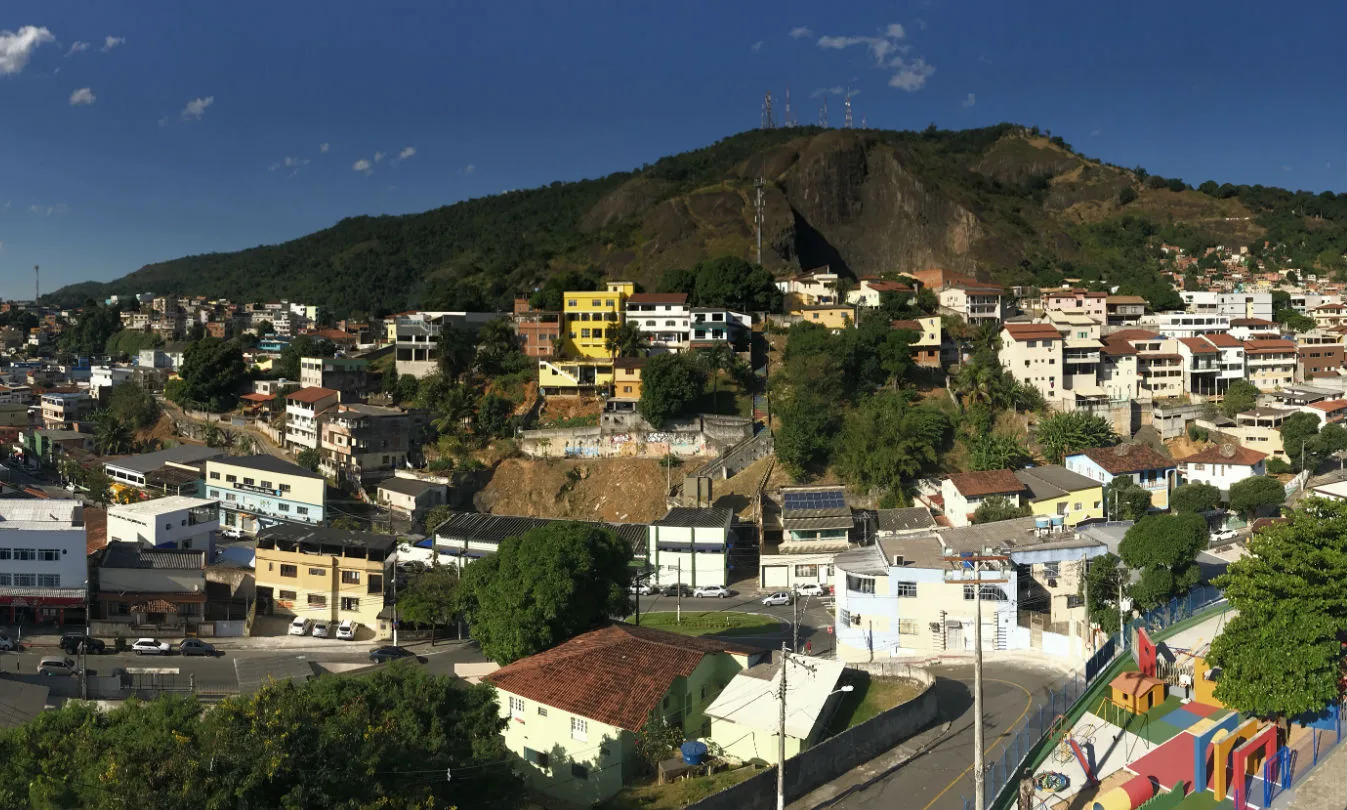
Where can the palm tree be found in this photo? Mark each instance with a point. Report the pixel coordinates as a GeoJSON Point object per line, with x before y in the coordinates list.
{"type": "Point", "coordinates": [111, 435]}
{"type": "Point", "coordinates": [627, 340]}
{"type": "Point", "coordinates": [717, 358]}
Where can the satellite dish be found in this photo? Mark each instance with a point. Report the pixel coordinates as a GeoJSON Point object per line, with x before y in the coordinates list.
{"type": "Point", "coordinates": [1227, 451]}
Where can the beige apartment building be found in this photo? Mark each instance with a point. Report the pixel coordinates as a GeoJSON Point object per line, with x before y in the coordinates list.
{"type": "Point", "coordinates": [1032, 353]}
{"type": "Point", "coordinates": [326, 574]}
{"type": "Point", "coordinates": [1271, 363]}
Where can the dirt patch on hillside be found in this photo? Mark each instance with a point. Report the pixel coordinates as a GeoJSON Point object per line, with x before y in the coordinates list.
{"type": "Point", "coordinates": [739, 492]}
{"type": "Point", "coordinates": [566, 410]}
{"type": "Point", "coordinates": [160, 434]}
{"type": "Point", "coordinates": [619, 490]}
{"type": "Point", "coordinates": [1182, 447]}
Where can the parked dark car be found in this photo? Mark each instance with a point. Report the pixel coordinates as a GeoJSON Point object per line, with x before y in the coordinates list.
{"type": "Point", "coordinates": [390, 653]}
{"type": "Point", "coordinates": [672, 590]}
{"type": "Point", "coordinates": [70, 644]}
{"type": "Point", "coordinates": [195, 646]}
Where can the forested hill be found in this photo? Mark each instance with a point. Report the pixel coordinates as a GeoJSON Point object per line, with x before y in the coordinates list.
{"type": "Point", "coordinates": [1003, 202]}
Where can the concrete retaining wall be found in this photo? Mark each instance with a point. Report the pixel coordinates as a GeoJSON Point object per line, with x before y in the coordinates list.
{"type": "Point", "coordinates": [835, 756]}
{"type": "Point", "coordinates": [695, 437]}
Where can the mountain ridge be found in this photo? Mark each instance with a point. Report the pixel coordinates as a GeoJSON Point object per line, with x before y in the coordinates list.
{"type": "Point", "coordinates": [1006, 202]}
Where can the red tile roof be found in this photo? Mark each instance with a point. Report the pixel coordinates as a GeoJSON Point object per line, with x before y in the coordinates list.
{"type": "Point", "coordinates": [615, 675]}
{"type": "Point", "coordinates": [1127, 458]}
{"type": "Point", "coordinates": [989, 482]}
{"type": "Point", "coordinates": [1198, 345]}
{"type": "Point", "coordinates": [1075, 293]}
{"type": "Point", "coordinates": [884, 285]}
{"type": "Point", "coordinates": [1133, 334]}
{"type": "Point", "coordinates": [1329, 405]}
{"type": "Point", "coordinates": [915, 326]}
{"type": "Point", "coordinates": [1224, 341]}
{"type": "Point", "coordinates": [1033, 331]}
{"type": "Point", "coordinates": [1269, 346]}
{"type": "Point", "coordinates": [257, 397]}
{"type": "Point", "coordinates": [1225, 454]}
{"type": "Point", "coordinates": [312, 394]}
{"type": "Point", "coordinates": [95, 529]}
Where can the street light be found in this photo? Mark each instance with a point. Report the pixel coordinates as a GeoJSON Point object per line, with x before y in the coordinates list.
{"type": "Point", "coordinates": [781, 729]}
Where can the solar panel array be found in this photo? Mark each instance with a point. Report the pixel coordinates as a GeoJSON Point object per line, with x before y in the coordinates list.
{"type": "Point", "coordinates": [818, 499]}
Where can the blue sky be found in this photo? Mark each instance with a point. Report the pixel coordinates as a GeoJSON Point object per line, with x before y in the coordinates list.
{"type": "Point", "coordinates": [136, 132]}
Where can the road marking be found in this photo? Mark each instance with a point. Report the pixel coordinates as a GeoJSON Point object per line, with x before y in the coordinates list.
{"type": "Point", "coordinates": [1028, 704]}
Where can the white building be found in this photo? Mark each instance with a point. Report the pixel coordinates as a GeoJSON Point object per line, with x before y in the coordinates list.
{"type": "Point", "coordinates": [304, 410]}
{"type": "Point", "coordinates": [43, 559]}
{"type": "Point", "coordinates": [101, 377]}
{"type": "Point", "coordinates": [963, 493]}
{"type": "Point", "coordinates": [691, 546]}
{"type": "Point", "coordinates": [663, 319]}
{"type": "Point", "coordinates": [870, 291]}
{"type": "Point", "coordinates": [1233, 305]}
{"type": "Point", "coordinates": [1222, 465]}
{"type": "Point", "coordinates": [1032, 354]}
{"type": "Point", "coordinates": [1185, 324]}
{"type": "Point", "coordinates": [173, 522]}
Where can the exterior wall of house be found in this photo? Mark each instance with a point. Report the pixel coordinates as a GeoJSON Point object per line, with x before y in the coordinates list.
{"type": "Point", "coordinates": [837, 317]}
{"type": "Point", "coordinates": [22, 563]}
{"type": "Point", "coordinates": [537, 338]}
{"type": "Point", "coordinates": [251, 499]}
{"type": "Point", "coordinates": [1036, 362]}
{"type": "Point", "coordinates": [670, 551]}
{"type": "Point", "coordinates": [627, 383]}
{"type": "Point", "coordinates": [790, 571]}
{"type": "Point", "coordinates": [1270, 372]}
{"type": "Point", "coordinates": [176, 528]}
{"type": "Point", "coordinates": [324, 586]}
{"type": "Point", "coordinates": [1221, 476]}
{"type": "Point", "coordinates": [588, 316]}
{"type": "Point", "coordinates": [1157, 482]}
{"type": "Point", "coordinates": [151, 580]}
{"type": "Point", "coordinates": [572, 378]}
{"type": "Point", "coordinates": [1074, 507]}
{"type": "Point", "coordinates": [303, 421]}
{"type": "Point", "coordinates": [602, 753]}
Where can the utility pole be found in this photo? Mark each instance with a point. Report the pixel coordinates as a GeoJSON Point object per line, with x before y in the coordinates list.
{"type": "Point", "coordinates": [1085, 580]}
{"type": "Point", "coordinates": [1122, 632]}
{"type": "Point", "coordinates": [757, 213]}
{"type": "Point", "coordinates": [781, 734]}
{"type": "Point", "coordinates": [794, 623]}
{"type": "Point", "coordinates": [678, 594]}
{"type": "Point", "coordinates": [395, 595]}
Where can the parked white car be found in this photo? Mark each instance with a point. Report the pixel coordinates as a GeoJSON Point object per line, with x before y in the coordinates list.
{"type": "Point", "coordinates": [301, 626]}
{"type": "Point", "coordinates": [320, 630]}
{"type": "Point", "coordinates": [7, 644]}
{"type": "Point", "coordinates": [713, 591]}
{"type": "Point", "coordinates": [811, 589]}
{"type": "Point", "coordinates": [150, 646]}
{"type": "Point", "coordinates": [1223, 535]}
{"type": "Point", "coordinates": [346, 630]}
{"type": "Point", "coordinates": [777, 598]}
{"type": "Point", "coordinates": [57, 666]}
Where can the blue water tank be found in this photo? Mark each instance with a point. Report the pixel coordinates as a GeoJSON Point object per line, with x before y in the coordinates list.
{"type": "Point", "coordinates": [1058, 520]}
{"type": "Point", "coordinates": [693, 752]}
{"type": "Point", "coordinates": [1042, 522]}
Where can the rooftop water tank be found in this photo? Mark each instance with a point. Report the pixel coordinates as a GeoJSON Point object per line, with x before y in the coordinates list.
{"type": "Point", "coordinates": [693, 752]}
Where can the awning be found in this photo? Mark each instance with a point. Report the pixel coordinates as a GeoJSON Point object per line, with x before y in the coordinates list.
{"type": "Point", "coordinates": [179, 598]}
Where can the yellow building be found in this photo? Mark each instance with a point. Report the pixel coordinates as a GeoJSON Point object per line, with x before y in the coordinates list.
{"type": "Point", "coordinates": [326, 574]}
{"type": "Point", "coordinates": [570, 378]}
{"type": "Point", "coordinates": [627, 377]}
{"type": "Point", "coordinates": [591, 316]}
{"type": "Point", "coordinates": [1055, 491]}
{"type": "Point", "coordinates": [835, 316]}
{"type": "Point", "coordinates": [574, 710]}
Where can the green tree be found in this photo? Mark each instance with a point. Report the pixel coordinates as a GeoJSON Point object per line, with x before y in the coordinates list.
{"type": "Point", "coordinates": [1332, 438]}
{"type": "Point", "coordinates": [1299, 432]}
{"type": "Point", "coordinates": [99, 486]}
{"type": "Point", "coordinates": [996, 451]}
{"type": "Point", "coordinates": [997, 508]}
{"type": "Point", "coordinates": [657, 739]}
{"type": "Point", "coordinates": [1126, 196]}
{"type": "Point", "coordinates": [727, 281]}
{"type": "Point", "coordinates": [1252, 495]}
{"type": "Point", "coordinates": [131, 404]}
{"type": "Point", "coordinates": [545, 586]}
{"type": "Point", "coordinates": [1280, 655]}
{"type": "Point", "coordinates": [1103, 578]}
{"type": "Point", "coordinates": [886, 441]}
{"type": "Point", "coordinates": [212, 373]}
{"type": "Point", "coordinates": [715, 359]}
{"type": "Point", "coordinates": [670, 385]}
{"type": "Point", "coordinates": [457, 351]}
{"type": "Point", "coordinates": [627, 340]}
{"type": "Point", "coordinates": [495, 416]}
{"type": "Point", "coordinates": [498, 349]}
{"type": "Point", "coordinates": [809, 423]}
{"type": "Point", "coordinates": [1125, 499]}
{"type": "Point", "coordinates": [406, 389]}
{"type": "Point", "coordinates": [437, 516]}
{"type": "Point", "coordinates": [1072, 431]}
{"type": "Point", "coordinates": [309, 459]}
{"type": "Point", "coordinates": [551, 296]}
{"type": "Point", "coordinates": [264, 328]}
{"type": "Point", "coordinates": [1241, 396]}
{"type": "Point", "coordinates": [1164, 549]}
{"type": "Point", "coordinates": [431, 597]}
{"type": "Point", "coordinates": [112, 436]}
{"type": "Point", "coordinates": [1196, 497]}
{"type": "Point", "coordinates": [92, 327]}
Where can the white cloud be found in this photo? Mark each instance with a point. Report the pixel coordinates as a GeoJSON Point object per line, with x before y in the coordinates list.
{"type": "Point", "coordinates": [969, 100]}
{"type": "Point", "coordinates": [196, 108]}
{"type": "Point", "coordinates": [77, 47]}
{"type": "Point", "coordinates": [363, 165]}
{"type": "Point", "coordinates": [288, 163]}
{"type": "Point", "coordinates": [378, 156]}
{"type": "Point", "coordinates": [17, 48]}
{"type": "Point", "coordinates": [835, 90]}
{"type": "Point", "coordinates": [406, 152]}
{"type": "Point", "coordinates": [323, 147]}
{"type": "Point", "coordinates": [895, 31]}
{"type": "Point", "coordinates": [111, 42]}
{"type": "Point", "coordinates": [800, 32]}
{"type": "Point", "coordinates": [49, 210]}
{"type": "Point", "coordinates": [82, 96]}
{"type": "Point", "coordinates": [469, 169]}
{"type": "Point", "coordinates": [911, 76]}
{"type": "Point", "coordinates": [756, 47]}
{"type": "Point", "coordinates": [1094, 133]}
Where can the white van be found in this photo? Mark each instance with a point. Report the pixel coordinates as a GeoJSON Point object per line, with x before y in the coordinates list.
{"type": "Point", "coordinates": [346, 630]}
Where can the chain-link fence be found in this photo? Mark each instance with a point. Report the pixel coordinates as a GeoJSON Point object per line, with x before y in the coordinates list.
{"type": "Point", "coordinates": [1029, 742]}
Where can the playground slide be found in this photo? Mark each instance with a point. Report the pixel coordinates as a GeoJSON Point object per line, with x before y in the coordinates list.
{"type": "Point", "coordinates": [1084, 763]}
{"type": "Point", "coordinates": [1129, 796]}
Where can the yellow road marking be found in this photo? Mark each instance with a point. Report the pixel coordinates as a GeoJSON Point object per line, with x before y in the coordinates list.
{"type": "Point", "coordinates": [1028, 704]}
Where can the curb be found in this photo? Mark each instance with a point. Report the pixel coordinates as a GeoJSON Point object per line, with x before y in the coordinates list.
{"type": "Point", "coordinates": [882, 774]}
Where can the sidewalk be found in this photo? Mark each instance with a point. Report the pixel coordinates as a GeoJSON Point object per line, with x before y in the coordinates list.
{"type": "Point", "coordinates": [1324, 789]}
{"type": "Point", "coordinates": [45, 637]}
{"type": "Point", "coordinates": [876, 769]}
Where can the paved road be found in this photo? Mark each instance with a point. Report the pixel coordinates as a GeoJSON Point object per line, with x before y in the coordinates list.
{"type": "Point", "coordinates": [813, 617]}
{"type": "Point", "coordinates": [940, 778]}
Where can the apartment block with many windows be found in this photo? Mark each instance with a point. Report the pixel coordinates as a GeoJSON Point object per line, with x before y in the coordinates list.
{"type": "Point", "coordinates": [43, 569]}
{"type": "Point", "coordinates": [326, 574]}
{"type": "Point", "coordinates": [259, 491]}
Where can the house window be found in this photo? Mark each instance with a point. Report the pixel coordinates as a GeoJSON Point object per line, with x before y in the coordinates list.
{"type": "Point", "coordinates": [542, 711]}
{"type": "Point", "coordinates": [5, 579]}
{"type": "Point", "coordinates": [517, 707]}
{"type": "Point", "coordinates": [25, 554]}
{"type": "Point", "coordinates": [989, 592]}
{"type": "Point", "coordinates": [301, 510]}
{"type": "Point", "coordinates": [286, 596]}
{"type": "Point", "coordinates": [907, 627]}
{"type": "Point", "coordinates": [538, 758]}
{"type": "Point", "coordinates": [317, 572]}
{"type": "Point", "coordinates": [317, 600]}
{"type": "Point", "coordinates": [215, 476]}
{"type": "Point", "coordinates": [906, 589]}
{"type": "Point", "coordinates": [806, 571]}
{"type": "Point", "coordinates": [24, 580]}
{"type": "Point", "coordinates": [284, 487]}
{"type": "Point", "coordinates": [284, 507]}
{"type": "Point", "coordinates": [350, 603]}
{"type": "Point", "coordinates": [579, 771]}
{"type": "Point", "coordinates": [4, 554]}
{"type": "Point", "coordinates": [579, 729]}
{"type": "Point", "coordinates": [860, 584]}
{"type": "Point", "coordinates": [350, 577]}
{"type": "Point", "coordinates": [229, 496]}
{"type": "Point", "coordinates": [266, 485]}
{"type": "Point", "coordinates": [232, 479]}
{"type": "Point", "coordinates": [248, 482]}
{"type": "Point", "coordinates": [48, 580]}
{"type": "Point", "coordinates": [376, 584]}
{"type": "Point", "coordinates": [48, 554]}
{"type": "Point", "coordinates": [289, 570]}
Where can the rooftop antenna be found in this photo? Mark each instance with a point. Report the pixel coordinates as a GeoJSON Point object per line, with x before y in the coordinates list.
{"type": "Point", "coordinates": [37, 283]}
{"type": "Point", "coordinates": [767, 121]}
{"type": "Point", "coordinates": [846, 116]}
{"type": "Point", "coordinates": [823, 113]}
{"type": "Point", "coordinates": [790, 116]}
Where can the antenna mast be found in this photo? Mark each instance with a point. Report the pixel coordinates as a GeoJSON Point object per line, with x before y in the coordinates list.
{"type": "Point", "coordinates": [37, 283]}
{"type": "Point", "coordinates": [847, 107]}
{"type": "Point", "coordinates": [790, 116]}
{"type": "Point", "coordinates": [767, 121]}
{"type": "Point", "coordinates": [823, 113]}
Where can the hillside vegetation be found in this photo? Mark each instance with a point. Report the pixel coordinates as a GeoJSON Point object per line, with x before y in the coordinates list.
{"type": "Point", "coordinates": [1002, 202]}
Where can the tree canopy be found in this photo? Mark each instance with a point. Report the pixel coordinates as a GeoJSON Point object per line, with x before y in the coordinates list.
{"type": "Point", "coordinates": [1164, 549]}
{"type": "Point", "coordinates": [670, 385]}
{"type": "Point", "coordinates": [996, 451]}
{"type": "Point", "coordinates": [997, 508]}
{"type": "Point", "coordinates": [727, 281]}
{"type": "Point", "coordinates": [1064, 433]}
{"type": "Point", "coordinates": [431, 596]}
{"type": "Point", "coordinates": [1103, 578]}
{"type": "Point", "coordinates": [211, 375]}
{"type": "Point", "coordinates": [886, 441]}
{"type": "Point", "coordinates": [1254, 494]}
{"type": "Point", "coordinates": [1195, 497]}
{"type": "Point", "coordinates": [131, 404]}
{"type": "Point", "coordinates": [287, 367]}
{"type": "Point", "coordinates": [545, 586]}
{"type": "Point", "coordinates": [1241, 396]}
